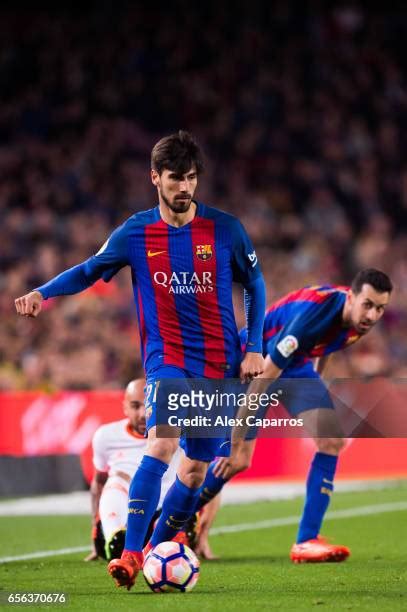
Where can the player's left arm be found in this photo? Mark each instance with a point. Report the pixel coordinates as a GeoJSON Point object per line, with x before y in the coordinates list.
{"type": "Point", "coordinates": [99, 479]}
{"type": "Point", "coordinates": [255, 302]}
{"type": "Point", "coordinates": [246, 271]}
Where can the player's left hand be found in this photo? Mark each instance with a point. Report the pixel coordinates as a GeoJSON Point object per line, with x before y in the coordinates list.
{"type": "Point", "coordinates": [251, 366]}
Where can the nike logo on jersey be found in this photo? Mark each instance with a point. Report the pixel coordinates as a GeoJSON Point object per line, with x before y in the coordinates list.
{"type": "Point", "coordinates": [154, 253]}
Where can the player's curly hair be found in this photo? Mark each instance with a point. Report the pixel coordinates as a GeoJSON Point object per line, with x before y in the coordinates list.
{"type": "Point", "coordinates": [178, 153]}
{"type": "Point", "coordinates": [375, 278]}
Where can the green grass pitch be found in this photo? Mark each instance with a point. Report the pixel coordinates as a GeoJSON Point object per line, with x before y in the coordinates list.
{"type": "Point", "coordinates": [254, 572]}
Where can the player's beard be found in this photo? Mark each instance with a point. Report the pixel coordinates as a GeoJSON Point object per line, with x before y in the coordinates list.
{"type": "Point", "coordinates": [363, 327]}
{"type": "Point", "coordinates": [177, 205]}
{"type": "Point", "coordinates": [140, 427]}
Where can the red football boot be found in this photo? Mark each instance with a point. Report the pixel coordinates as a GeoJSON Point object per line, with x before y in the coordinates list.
{"type": "Point", "coordinates": [124, 570]}
{"type": "Point", "coordinates": [318, 550]}
{"type": "Point", "coordinates": [181, 537]}
{"type": "Point", "coordinates": [147, 548]}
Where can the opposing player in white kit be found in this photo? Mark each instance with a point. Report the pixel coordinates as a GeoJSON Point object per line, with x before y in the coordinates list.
{"type": "Point", "coordinates": [118, 449]}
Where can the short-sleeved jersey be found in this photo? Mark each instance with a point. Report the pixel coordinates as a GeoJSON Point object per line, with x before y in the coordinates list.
{"type": "Point", "coordinates": [305, 324]}
{"type": "Point", "coordinates": [117, 448]}
{"type": "Point", "coordinates": [182, 280]}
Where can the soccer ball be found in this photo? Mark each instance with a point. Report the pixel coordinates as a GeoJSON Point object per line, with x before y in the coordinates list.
{"type": "Point", "coordinates": [171, 567]}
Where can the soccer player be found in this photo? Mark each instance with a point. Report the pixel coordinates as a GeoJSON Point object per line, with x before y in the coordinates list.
{"type": "Point", "coordinates": [118, 449]}
{"type": "Point", "coordinates": [312, 322]}
{"type": "Point", "coordinates": [184, 257]}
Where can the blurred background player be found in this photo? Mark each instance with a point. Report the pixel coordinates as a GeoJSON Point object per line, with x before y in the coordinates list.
{"type": "Point", "coordinates": [118, 449]}
{"type": "Point", "coordinates": [305, 324]}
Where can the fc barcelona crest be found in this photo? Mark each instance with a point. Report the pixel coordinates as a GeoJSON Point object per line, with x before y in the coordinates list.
{"type": "Point", "coordinates": [204, 251]}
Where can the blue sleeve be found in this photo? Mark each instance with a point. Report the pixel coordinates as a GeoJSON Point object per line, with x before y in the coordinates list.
{"type": "Point", "coordinates": [243, 338]}
{"type": "Point", "coordinates": [105, 264]}
{"type": "Point", "coordinates": [301, 332]}
{"type": "Point", "coordinates": [244, 259]}
{"type": "Point", "coordinates": [255, 305]}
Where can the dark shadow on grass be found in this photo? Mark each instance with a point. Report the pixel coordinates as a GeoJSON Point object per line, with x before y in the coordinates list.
{"type": "Point", "coordinates": [196, 592]}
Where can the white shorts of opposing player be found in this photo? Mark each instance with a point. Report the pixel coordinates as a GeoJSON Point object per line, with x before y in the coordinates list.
{"type": "Point", "coordinates": [113, 505]}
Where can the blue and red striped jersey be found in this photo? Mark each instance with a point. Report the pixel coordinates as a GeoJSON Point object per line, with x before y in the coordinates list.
{"type": "Point", "coordinates": [305, 324]}
{"type": "Point", "coordinates": [182, 280]}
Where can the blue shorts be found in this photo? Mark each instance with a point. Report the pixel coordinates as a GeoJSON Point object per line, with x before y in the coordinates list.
{"type": "Point", "coordinates": [303, 389]}
{"type": "Point", "coordinates": [202, 449]}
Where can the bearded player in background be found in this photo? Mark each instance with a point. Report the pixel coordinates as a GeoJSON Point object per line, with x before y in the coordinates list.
{"type": "Point", "coordinates": [308, 324]}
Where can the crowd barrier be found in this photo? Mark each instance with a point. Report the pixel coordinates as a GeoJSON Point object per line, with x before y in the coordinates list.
{"type": "Point", "coordinates": [36, 424]}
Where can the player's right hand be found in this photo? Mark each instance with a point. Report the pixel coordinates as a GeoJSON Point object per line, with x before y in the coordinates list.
{"type": "Point", "coordinates": [226, 467]}
{"type": "Point", "coordinates": [29, 305]}
{"type": "Point", "coordinates": [93, 556]}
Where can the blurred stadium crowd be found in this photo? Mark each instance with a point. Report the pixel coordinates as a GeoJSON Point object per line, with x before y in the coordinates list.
{"type": "Point", "coordinates": [301, 113]}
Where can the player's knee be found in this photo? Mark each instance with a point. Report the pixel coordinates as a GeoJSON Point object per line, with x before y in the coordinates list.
{"type": "Point", "coordinates": [330, 446]}
{"type": "Point", "coordinates": [193, 480]}
{"type": "Point", "coordinates": [162, 448]}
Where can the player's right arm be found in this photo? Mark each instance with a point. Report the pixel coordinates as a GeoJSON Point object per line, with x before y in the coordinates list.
{"type": "Point", "coordinates": [96, 488]}
{"type": "Point", "coordinates": [226, 467]}
{"type": "Point", "coordinates": [257, 386]}
{"type": "Point", "coordinates": [279, 350]}
{"type": "Point", "coordinates": [29, 305]}
{"type": "Point", "coordinates": [297, 334]}
{"type": "Point", "coordinates": [105, 264]}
